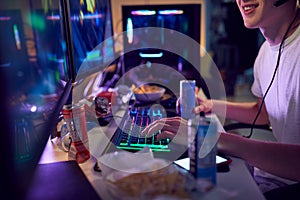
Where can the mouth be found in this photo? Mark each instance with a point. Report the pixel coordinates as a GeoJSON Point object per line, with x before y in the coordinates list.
{"type": "Point", "coordinates": [248, 9]}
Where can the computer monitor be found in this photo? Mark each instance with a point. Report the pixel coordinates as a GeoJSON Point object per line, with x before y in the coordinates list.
{"type": "Point", "coordinates": [179, 18]}
{"type": "Point", "coordinates": [117, 5]}
{"type": "Point", "coordinates": [172, 18]}
{"type": "Point", "coordinates": [91, 25]}
{"type": "Point", "coordinates": [33, 93]}
{"type": "Point", "coordinates": [175, 18]}
{"type": "Point", "coordinates": [36, 80]}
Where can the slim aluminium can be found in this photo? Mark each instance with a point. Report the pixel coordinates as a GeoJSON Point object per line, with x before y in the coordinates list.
{"type": "Point", "coordinates": [203, 149]}
{"type": "Point", "coordinates": [68, 118]}
{"type": "Point", "coordinates": [187, 98]}
{"type": "Point", "coordinates": [74, 116]}
{"type": "Point", "coordinates": [79, 119]}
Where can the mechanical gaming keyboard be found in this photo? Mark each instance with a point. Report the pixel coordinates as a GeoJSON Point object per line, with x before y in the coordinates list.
{"type": "Point", "coordinates": [128, 135]}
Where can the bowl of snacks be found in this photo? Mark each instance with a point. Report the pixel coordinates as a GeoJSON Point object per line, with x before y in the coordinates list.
{"type": "Point", "coordinates": [148, 93]}
{"type": "Point", "coordinates": [141, 176]}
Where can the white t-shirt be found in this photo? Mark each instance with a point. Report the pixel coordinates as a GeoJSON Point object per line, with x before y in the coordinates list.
{"type": "Point", "coordinates": [283, 99]}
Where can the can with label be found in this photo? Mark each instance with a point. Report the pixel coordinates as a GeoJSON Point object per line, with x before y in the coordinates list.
{"type": "Point", "coordinates": [67, 115]}
{"type": "Point", "coordinates": [203, 149]}
{"type": "Point", "coordinates": [74, 116]}
{"type": "Point", "coordinates": [187, 98]}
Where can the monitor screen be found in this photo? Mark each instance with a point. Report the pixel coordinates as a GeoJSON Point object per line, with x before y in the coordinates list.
{"type": "Point", "coordinates": [91, 30]}
{"type": "Point", "coordinates": [36, 79]}
{"type": "Point", "coordinates": [180, 18]}
{"type": "Point", "coordinates": [90, 25]}
{"type": "Point", "coordinates": [35, 85]}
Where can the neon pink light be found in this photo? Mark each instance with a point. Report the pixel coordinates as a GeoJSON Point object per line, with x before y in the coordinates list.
{"type": "Point", "coordinates": [170, 12]}
{"type": "Point", "coordinates": [143, 12]}
{"type": "Point", "coordinates": [4, 18]}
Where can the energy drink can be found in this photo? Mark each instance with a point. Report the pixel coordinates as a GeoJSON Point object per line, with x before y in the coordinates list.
{"type": "Point", "coordinates": [187, 98]}
{"type": "Point", "coordinates": [203, 149]}
{"type": "Point", "coordinates": [68, 118]}
{"type": "Point", "coordinates": [74, 116]}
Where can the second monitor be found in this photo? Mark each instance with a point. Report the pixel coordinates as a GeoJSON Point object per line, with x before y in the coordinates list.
{"type": "Point", "coordinates": [165, 47]}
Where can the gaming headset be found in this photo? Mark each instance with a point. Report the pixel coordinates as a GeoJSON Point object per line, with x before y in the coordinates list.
{"type": "Point", "coordinates": [279, 3]}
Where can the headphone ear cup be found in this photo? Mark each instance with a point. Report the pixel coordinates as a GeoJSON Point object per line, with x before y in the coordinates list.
{"type": "Point", "coordinates": [279, 3]}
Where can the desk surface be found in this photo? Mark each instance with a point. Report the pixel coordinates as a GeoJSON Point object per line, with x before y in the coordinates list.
{"type": "Point", "coordinates": [237, 182]}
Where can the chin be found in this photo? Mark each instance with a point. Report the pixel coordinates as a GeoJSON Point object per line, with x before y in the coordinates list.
{"type": "Point", "coordinates": [250, 25]}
